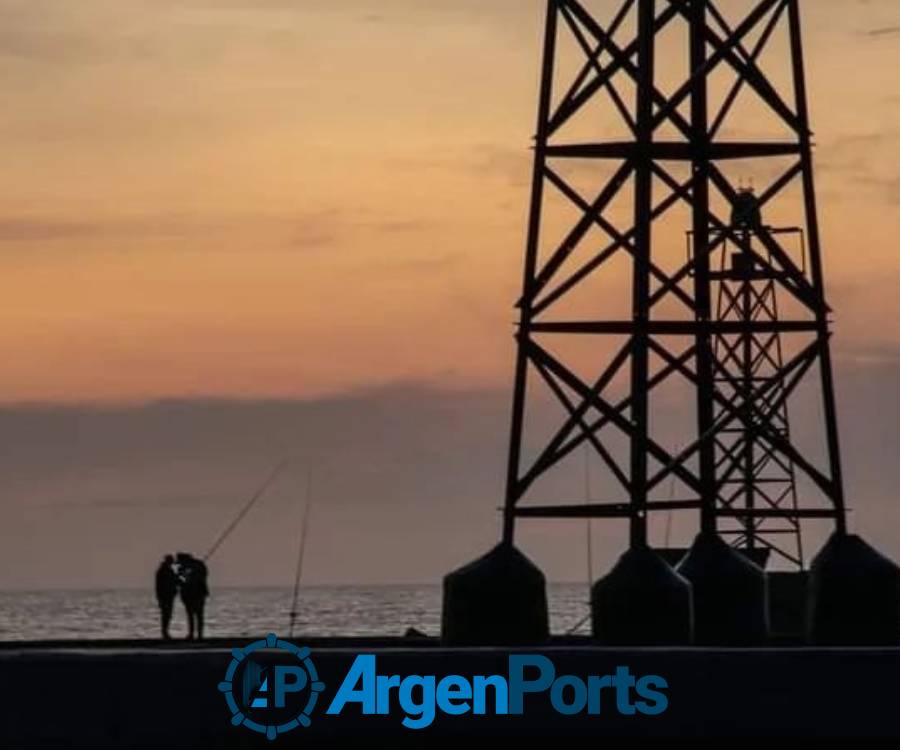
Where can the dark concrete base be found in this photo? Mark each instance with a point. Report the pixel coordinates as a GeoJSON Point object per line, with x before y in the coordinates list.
{"type": "Point", "coordinates": [854, 595]}
{"type": "Point", "coordinates": [118, 697]}
{"type": "Point", "coordinates": [787, 604]}
{"type": "Point", "coordinates": [730, 597]}
{"type": "Point", "coordinates": [642, 602]}
{"type": "Point", "coordinates": [500, 599]}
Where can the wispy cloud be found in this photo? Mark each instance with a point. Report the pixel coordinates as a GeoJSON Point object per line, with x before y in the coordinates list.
{"type": "Point", "coordinates": [69, 47]}
{"type": "Point", "coordinates": [859, 158]}
{"type": "Point", "coordinates": [303, 230]}
{"type": "Point", "coordinates": [883, 31]}
{"type": "Point", "coordinates": [419, 264]}
{"type": "Point", "coordinates": [42, 230]}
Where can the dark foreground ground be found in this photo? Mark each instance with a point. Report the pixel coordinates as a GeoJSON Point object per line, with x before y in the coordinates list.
{"type": "Point", "coordinates": [142, 694]}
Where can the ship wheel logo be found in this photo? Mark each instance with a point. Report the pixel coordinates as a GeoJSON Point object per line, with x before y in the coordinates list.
{"type": "Point", "coordinates": [271, 687]}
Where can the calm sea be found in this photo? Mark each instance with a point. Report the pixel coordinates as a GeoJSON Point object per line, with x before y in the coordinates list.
{"type": "Point", "coordinates": [323, 611]}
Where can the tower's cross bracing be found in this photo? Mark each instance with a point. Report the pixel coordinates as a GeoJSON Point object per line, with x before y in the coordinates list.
{"type": "Point", "coordinates": [629, 154]}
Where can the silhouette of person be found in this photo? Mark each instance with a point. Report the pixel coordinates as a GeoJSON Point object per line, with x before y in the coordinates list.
{"type": "Point", "coordinates": [166, 588]}
{"type": "Point", "coordinates": [193, 575]}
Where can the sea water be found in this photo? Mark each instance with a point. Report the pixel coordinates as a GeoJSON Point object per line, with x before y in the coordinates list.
{"type": "Point", "coordinates": [240, 612]}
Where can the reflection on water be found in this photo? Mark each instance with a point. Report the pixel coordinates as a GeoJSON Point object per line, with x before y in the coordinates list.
{"type": "Point", "coordinates": [323, 611]}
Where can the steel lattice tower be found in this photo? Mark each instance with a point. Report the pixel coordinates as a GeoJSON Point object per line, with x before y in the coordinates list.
{"type": "Point", "coordinates": [741, 325]}
{"type": "Point", "coordinates": [763, 478]}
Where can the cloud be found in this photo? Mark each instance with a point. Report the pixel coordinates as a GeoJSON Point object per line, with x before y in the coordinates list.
{"type": "Point", "coordinates": [55, 33]}
{"type": "Point", "coordinates": [883, 31]}
{"type": "Point", "coordinates": [419, 264]}
{"type": "Point", "coordinates": [16, 229]}
{"type": "Point", "coordinates": [887, 186]}
{"type": "Point", "coordinates": [399, 226]}
{"type": "Point", "coordinates": [858, 157]}
{"type": "Point", "coordinates": [33, 230]}
{"type": "Point", "coordinates": [304, 231]}
{"type": "Point", "coordinates": [313, 234]}
{"type": "Point", "coordinates": [97, 491]}
{"type": "Point", "coordinates": [407, 480]}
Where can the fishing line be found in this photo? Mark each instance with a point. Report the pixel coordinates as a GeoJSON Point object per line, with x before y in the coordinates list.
{"type": "Point", "coordinates": [300, 552]}
{"type": "Point", "coordinates": [246, 509]}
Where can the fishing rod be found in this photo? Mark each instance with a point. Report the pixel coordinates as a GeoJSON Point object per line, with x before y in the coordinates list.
{"type": "Point", "coordinates": [246, 509]}
{"type": "Point", "coordinates": [300, 552]}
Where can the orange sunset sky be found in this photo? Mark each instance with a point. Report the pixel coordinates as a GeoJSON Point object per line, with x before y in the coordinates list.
{"type": "Point", "coordinates": [232, 230]}
{"type": "Point", "coordinates": [225, 197]}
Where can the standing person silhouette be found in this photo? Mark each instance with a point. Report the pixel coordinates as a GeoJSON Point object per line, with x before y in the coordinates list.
{"type": "Point", "coordinates": [193, 575]}
{"type": "Point", "coordinates": [166, 589]}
